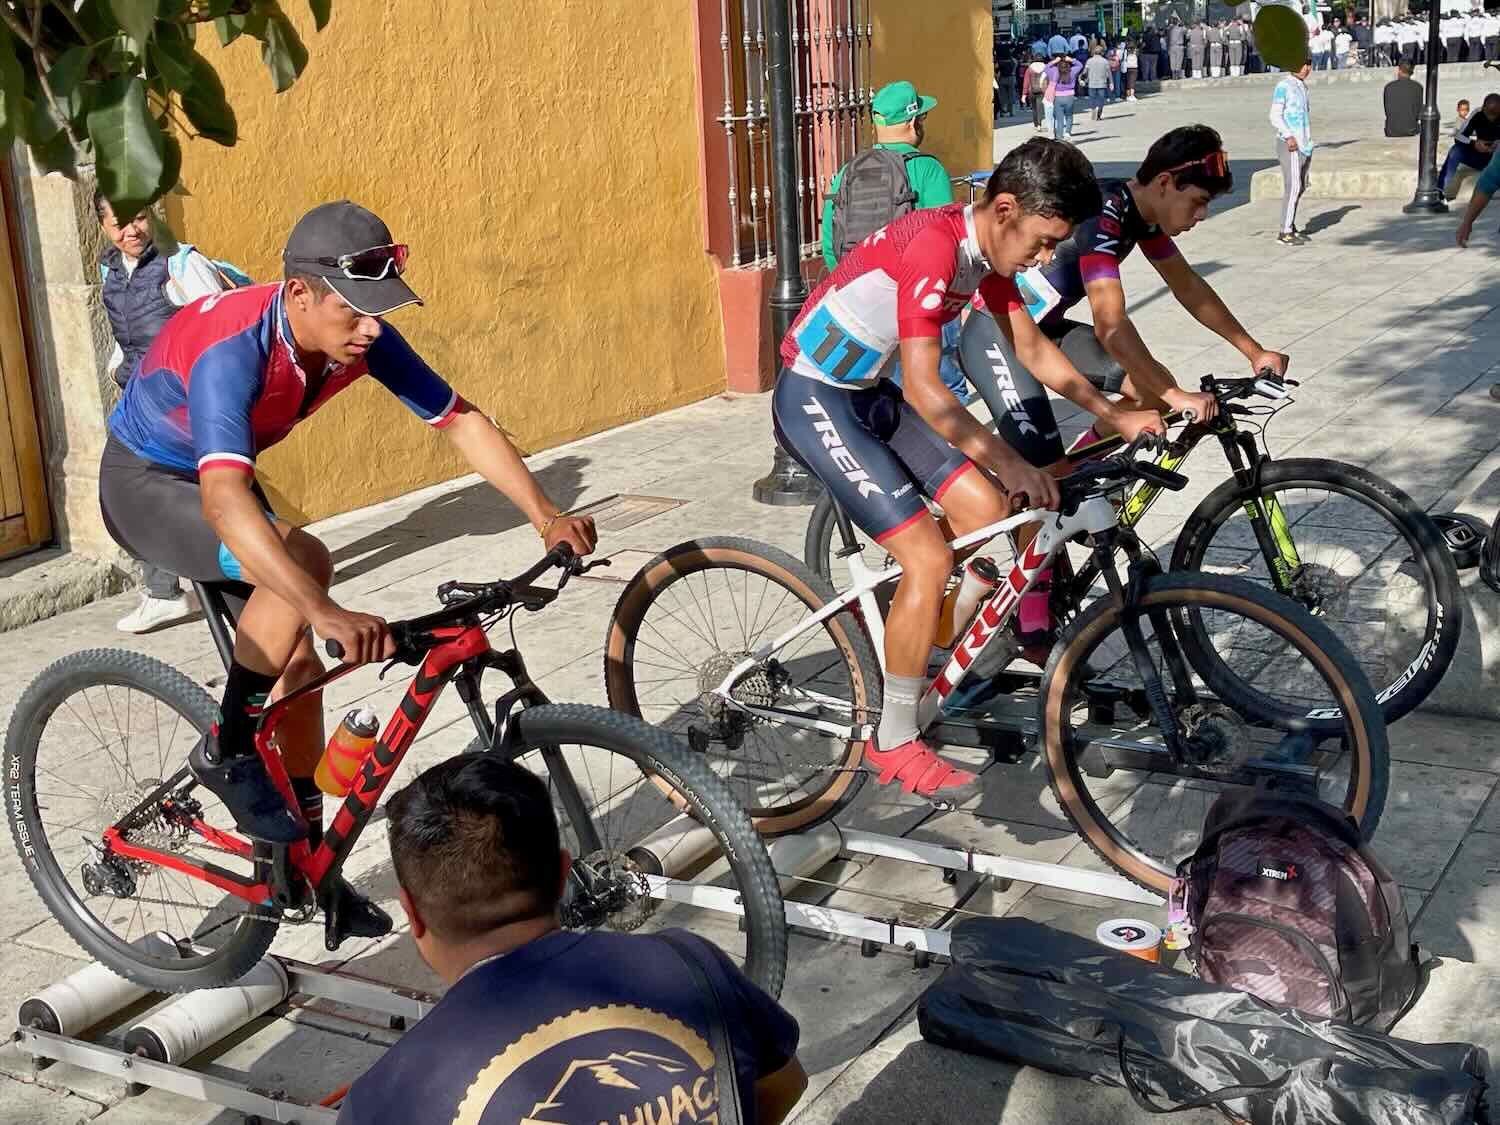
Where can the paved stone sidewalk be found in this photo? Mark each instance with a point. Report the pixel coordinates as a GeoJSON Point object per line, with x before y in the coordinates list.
{"type": "Point", "coordinates": [1394, 332]}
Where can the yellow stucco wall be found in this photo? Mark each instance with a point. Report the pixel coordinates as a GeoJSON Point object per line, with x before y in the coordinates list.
{"type": "Point", "coordinates": [945, 47]}
{"type": "Point", "coordinates": [540, 157]}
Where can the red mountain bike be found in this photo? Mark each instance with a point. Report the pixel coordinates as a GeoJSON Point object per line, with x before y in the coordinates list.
{"type": "Point", "coordinates": [126, 849]}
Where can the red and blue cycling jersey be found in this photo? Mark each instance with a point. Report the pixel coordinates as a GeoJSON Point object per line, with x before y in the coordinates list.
{"type": "Point", "coordinates": [221, 383]}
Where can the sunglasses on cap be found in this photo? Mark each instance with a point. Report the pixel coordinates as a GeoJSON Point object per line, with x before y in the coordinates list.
{"type": "Point", "coordinates": [1216, 164]}
{"type": "Point", "coordinates": [373, 264]}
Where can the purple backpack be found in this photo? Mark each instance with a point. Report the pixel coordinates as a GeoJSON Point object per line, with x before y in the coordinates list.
{"type": "Point", "coordinates": [1288, 903]}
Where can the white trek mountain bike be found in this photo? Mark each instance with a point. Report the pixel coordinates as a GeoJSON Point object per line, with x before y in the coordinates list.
{"type": "Point", "coordinates": [1154, 699]}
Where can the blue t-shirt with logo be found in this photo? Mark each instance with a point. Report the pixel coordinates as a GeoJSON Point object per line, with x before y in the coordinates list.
{"type": "Point", "coordinates": [576, 1027]}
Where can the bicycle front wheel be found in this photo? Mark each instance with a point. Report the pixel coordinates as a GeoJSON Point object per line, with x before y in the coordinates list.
{"type": "Point", "coordinates": [657, 840]}
{"type": "Point", "coordinates": [1353, 550]}
{"type": "Point", "coordinates": [94, 736]}
{"type": "Point", "coordinates": [695, 614]}
{"type": "Point", "coordinates": [1139, 805]}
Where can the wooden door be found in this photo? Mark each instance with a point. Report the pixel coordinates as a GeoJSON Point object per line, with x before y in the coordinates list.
{"type": "Point", "coordinates": [24, 519]}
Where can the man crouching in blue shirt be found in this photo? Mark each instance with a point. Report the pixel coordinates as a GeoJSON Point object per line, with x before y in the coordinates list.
{"type": "Point", "coordinates": [596, 1026]}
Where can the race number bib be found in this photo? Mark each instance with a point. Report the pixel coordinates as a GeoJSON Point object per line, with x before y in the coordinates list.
{"type": "Point", "coordinates": [1038, 293]}
{"type": "Point", "coordinates": [836, 352]}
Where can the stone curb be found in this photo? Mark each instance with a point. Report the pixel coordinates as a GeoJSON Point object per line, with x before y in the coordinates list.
{"type": "Point", "coordinates": [1367, 182]}
{"type": "Point", "coordinates": [48, 588]}
{"type": "Point", "coordinates": [1318, 78]}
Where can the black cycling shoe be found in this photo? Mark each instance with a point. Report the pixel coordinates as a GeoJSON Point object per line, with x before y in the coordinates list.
{"type": "Point", "coordinates": [258, 808]}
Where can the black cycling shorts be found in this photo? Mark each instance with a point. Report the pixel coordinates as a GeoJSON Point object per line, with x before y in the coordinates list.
{"type": "Point", "coordinates": [874, 452]}
{"type": "Point", "coordinates": [1017, 401]}
{"type": "Point", "coordinates": [156, 514]}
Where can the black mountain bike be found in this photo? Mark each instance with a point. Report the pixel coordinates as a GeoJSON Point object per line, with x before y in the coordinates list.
{"type": "Point", "coordinates": [1348, 546]}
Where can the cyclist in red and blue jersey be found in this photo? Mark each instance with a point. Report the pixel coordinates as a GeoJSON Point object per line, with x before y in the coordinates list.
{"type": "Point", "coordinates": [1182, 173]}
{"type": "Point", "coordinates": [880, 449]}
{"type": "Point", "coordinates": [229, 376]}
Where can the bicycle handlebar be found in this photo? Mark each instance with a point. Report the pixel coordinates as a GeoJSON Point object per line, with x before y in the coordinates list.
{"type": "Point", "coordinates": [482, 597]}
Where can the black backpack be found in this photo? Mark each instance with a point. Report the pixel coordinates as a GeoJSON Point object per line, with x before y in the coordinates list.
{"type": "Point", "coordinates": [873, 192]}
{"type": "Point", "coordinates": [1288, 903]}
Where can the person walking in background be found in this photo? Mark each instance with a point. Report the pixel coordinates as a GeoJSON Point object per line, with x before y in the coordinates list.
{"type": "Point", "coordinates": [1214, 34]}
{"type": "Point", "coordinates": [141, 290]}
{"type": "Point", "coordinates": [1363, 41]}
{"type": "Point", "coordinates": [1096, 71]}
{"type": "Point", "coordinates": [1061, 82]}
{"type": "Point", "coordinates": [1033, 79]}
{"type": "Point", "coordinates": [1131, 68]}
{"type": "Point", "coordinates": [1150, 54]}
{"type": "Point", "coordinates": [1057, 45]}
{"type": "Point", "coordinates": [1474, 34]}
{"type": "Point", "coordinates": [1234, 43]}
{"type": "Point", "coordinates": [1292, 120]}
{"type": "Point", "coordinates": [1197, 43]}
{"type": "Point", "coordinates": [1342, 43]}
{"type": "Point", "coordinates": [1403, 104]}
{"type": "Point", "coordinates": [1005, 80]}
{"type": "Point", "coordinates": [1321, 43]}
{"type": "Point", "coordinates": [1176, 46]}
{"type": "Point", "coordinates": [1116, 57]}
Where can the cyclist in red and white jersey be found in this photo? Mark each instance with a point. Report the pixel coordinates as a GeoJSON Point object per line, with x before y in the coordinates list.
{"type": "Point", "coordinates": [229, 376]}
{"type": "Point", "coordinates": [880, 449]}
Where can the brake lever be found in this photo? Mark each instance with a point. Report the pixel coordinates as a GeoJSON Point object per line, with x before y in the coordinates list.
{"type": "Point", "coordinates": [578, 567]}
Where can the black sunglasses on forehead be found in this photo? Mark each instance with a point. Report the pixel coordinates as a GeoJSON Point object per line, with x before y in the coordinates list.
{"type": "Point", "coordinates": [373, 264]}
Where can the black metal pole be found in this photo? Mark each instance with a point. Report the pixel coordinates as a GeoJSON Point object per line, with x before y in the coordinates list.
{"type": "Point", "coordinates": [1428, 198]}
{"type": "Point", "coordinates": [787, 483]}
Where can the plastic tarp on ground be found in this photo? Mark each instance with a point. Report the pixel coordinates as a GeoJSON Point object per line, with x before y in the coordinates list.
{"type": "Point", "coordinates": [1033, 995]}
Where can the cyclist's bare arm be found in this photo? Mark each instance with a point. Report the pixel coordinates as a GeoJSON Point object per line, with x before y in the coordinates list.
{"type": "Point", "coordinates": [1149, 379]}
{"type": "Point", "coordinates": [1209, 310]}
{"type": "Point", "coordinates": [923, 388]}
{"type": "Point", "coordinates": [491, 454]}
{"type": "Point", "coordinates": [1046, 361]}
{"type": "Point", "coordinates": [237, 518]}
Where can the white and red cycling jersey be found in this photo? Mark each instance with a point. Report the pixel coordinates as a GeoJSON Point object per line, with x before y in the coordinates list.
{"type": "Point", "coordinates": [903, 282]}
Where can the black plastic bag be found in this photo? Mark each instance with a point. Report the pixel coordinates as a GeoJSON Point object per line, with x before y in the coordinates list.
{"type": "Point", "coordinates": [1030, 994]}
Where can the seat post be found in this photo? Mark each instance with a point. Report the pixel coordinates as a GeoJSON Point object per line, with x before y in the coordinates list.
{"type": "Point", "coordinates": [216, 613]}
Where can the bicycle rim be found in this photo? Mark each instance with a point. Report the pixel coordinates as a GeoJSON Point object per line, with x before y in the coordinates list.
{"type": "Point", "coordinates": [96, 735]}
{"type": "Point", "coordinates": [1136, 812]}
{"type": "Point", "coordinates": [689, 618]}
{"type": "Point", "coordinates": [1351, 550]}
{"type": "Point", "coordinates": [632, 808]}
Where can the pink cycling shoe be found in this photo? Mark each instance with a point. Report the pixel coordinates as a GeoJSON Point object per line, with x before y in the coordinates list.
{"type": "Point", "coordinates": [918, 769]}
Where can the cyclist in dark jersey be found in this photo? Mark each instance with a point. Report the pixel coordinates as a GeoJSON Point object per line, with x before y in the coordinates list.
{"type": "Point", "coordinates": [230, 375]}
{"type": "Point", "coordinates": [1182, 173]}
{"type": "Point", "coordinates": [880, 449]}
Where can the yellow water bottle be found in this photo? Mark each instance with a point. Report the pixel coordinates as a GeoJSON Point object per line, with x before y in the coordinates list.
{"type": "Point", "coordinates": [346, 752]}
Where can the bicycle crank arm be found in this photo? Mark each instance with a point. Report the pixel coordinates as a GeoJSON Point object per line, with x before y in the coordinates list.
{"type": "Point", "coordinates": [1102, 755]}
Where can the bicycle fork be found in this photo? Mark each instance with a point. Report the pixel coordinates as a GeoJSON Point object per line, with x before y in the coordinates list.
{"type": "Point", "coordinates": [1268, 522]}
{"type": "Point", "coordinates": [1127, 596]}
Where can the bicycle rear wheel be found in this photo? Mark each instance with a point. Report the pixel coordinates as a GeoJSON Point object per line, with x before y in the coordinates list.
{"type": "Point", "coordinates": [696, 612]}
{"type": "Point", "coordinates": [1373, 568]}
{"type": "Point", "coordinates": [633, 810]}
{"type": "Point", "coordinates": [1141, 811]}
{"type": "Point", "coordinates": [93, 736]}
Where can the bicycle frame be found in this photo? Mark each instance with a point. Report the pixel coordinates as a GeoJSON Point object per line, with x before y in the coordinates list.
{"type": "Point", "coordinates": [1093, 515]}
{"type": "Point", "coordinates": [461, 651]}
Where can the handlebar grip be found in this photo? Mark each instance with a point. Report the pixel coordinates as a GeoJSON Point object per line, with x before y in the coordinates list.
{"type": "Point", "coordinates": [333, 648]}
{"type": "Point", "coordinates": [1176, 482]}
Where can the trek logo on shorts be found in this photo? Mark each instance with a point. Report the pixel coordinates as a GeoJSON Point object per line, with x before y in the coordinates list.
{"type": "Point", "coordinates": [838, 452]}
{"type": "Point", "coordinates": [1001, 370]}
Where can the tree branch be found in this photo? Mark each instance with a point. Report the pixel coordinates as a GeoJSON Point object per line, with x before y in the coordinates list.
{"type": "Point", "coordinates": [43, 67]}
{"type": "Point", "coordinates": [15, 25]}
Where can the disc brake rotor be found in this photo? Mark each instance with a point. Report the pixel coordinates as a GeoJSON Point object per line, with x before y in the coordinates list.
{"type": "Point", "coordinates": [608, 888]}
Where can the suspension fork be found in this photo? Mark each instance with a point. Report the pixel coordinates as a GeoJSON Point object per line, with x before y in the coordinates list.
{"type": "Point", "coordinates": [1268, 522]}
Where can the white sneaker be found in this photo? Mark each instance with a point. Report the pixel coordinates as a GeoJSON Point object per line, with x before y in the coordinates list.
{"type": "Point", "coordinates": [157, 613]}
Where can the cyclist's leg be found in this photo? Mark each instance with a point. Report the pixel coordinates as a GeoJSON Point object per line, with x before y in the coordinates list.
{"type": "Point", "coordinates": [1018, 403]}
{"type": "Point", "coordinates": [841, 437]}
{"type": "Point", "coordinates": [1083, 350]}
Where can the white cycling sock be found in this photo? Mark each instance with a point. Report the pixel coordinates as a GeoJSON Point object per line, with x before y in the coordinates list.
{"type": "Point", "coordinates": [898, 713]}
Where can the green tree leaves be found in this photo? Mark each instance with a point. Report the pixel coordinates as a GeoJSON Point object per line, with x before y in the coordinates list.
{"type": "Point", "coordinates": [118, 82]}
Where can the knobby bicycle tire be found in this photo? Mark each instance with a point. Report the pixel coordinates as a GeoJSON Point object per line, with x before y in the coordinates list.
{"type": "Point", "coordinates": [845, 629]}
{"type": "Point", "coordinates": [1444, 616]}
{"type": "Point", "coordinates": [1489, 557]}
{"type": "Point", "coordinates": [1171, 592]}
{"type": "Point", "coordinates": [707, 799]}
{"type": "Point", "coordinates": [236, 954]}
